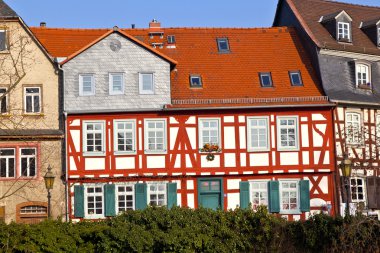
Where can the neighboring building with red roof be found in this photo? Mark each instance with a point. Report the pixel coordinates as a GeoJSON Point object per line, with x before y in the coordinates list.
{"type": "Point", "coordinates": [344, 44]}
{"type": "Point", "coordinates": [212, 117]}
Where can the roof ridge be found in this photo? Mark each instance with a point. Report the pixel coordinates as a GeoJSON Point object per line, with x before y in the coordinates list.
{"type": "Point", "coordinates": [345, 3]}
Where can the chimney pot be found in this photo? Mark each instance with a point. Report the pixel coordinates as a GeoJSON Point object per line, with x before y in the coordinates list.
{"type": "Point", "coordinates": [43, 24]}
{"type": "Point", "coordinates": [133, 26]}
{"type": "Point", "coordinates": [116, 28]}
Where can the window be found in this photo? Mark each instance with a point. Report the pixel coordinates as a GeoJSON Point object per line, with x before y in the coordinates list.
{"type": "Point", "coordinates": [378, 129]}
{"type": "Point", "coordinates": [125, 198]}
{"type": "Point", "coordinates": [86, 85]}
{"type": "Point", "coordinates": [146, 83]}
{"type": "Point", "coordinates": [28, 162]}
{"type": "Point", "coordinates": [155, 135]}
{"type": "Point", "coordinates": [171, 39]}
{"type": "Point", "coordinates": [209, 132]}
{"type": "Point", "coordinates": [195, 81]}
{"type": "Point", "coordinates": [287, 132]}
{"type": "Point", "coordinates": [266, 79]}
{"type": "Point", "coordinates": [223, 45]}
{"type": "Point", "coordinates": [93, 137]}
{"type": "Point", "coordinates": [3, 100]}
{"type": "Point", "coordinates": [124, 135]}
{"type": "Point", "coordinates": [289, 201]}
{"type": "Point", "coordinates": [3, 40]}
{"type": "Point", "coordinates": [7, 162]}
{"type": "Point", "coordinates": [32, 99]}
{"type": "Point", "coordinates": [94, 201]}
{"type": "Point", "coordinates": [357, 186]}
{"type": "Point", "coordinates": [295, 78]}
{"type": "Point", "coordinates": [157, 194]}
{"type": "Point", "coordinates": [259, 193]}
{"type": "Point", "coordinates": [33, 210]}
{"type": "Point", "coordinates": [353, 131]}
{"type": "Point", "coordinates": [116, 83]}
{"type": "Point", "coordinates": [362, 76]}
{"type": "Point", "coordinates": [344, 31]}
{"type": "Point", "coordinates": [258, 138]}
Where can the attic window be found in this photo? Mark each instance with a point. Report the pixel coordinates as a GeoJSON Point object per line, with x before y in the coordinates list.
{"type": "Point", "coordinates": [344, 32]}
{"type": "Point", "coordinates": [295, 78]}
{"type": "Point", "coordinates": [266, 79]}
{"type": "Point", "coordinates": [195, 81]}
{"type": "Point", "coordinates": [171, 39]}
{"type": "Point", "coordinates": [223, 45]}
{"type": "Point", "coordinates": [363, 77]}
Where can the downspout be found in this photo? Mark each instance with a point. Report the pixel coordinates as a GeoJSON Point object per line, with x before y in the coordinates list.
{"type": "Point", "coordinates": [336, 174]}
{"type": "Point", "coordinates": [64, 145]}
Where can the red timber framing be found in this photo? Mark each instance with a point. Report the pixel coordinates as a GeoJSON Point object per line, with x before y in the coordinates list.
{"type": "Point", "coordinates": [184, 164]}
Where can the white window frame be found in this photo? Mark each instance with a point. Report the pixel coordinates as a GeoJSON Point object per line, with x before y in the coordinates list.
{"type": "Point", "coordinates": [6, 100]}
{"type": "Point", "coordinates": [364, 189]}
{"type": "Point", "coordinates": [7, 157]}
{"type": "Point", "coordinates": [298, 73]}
{"type": "Point", "coordinates": [116, 131]}
{"type": "Point", "coordinates": [200, 81]}
{"type": "Point", "coordinates": [377, 128]}
{"type": "Point", "coordinates": [117, 194]}
{"type": "Point", "coordinates": [200, 131]}
{"type": "Point", "coordinates": [28, 162]}
{"type": "Point", "coordinates": [94, 194]}
{"type": "Point", "coordinates": [378, 36]}
{"type": "Point", "coordinates": [252, 190]}
{"type": "Point", "coordinates": [361, 68]}
{"type": "Point", "coordinates": [111, 87]}
{"type": "Point", "coordinates": [219, 41]}
{"type": "Point", "coordinates": [269, 75]}
{"type": "Point", "coordinates": [296, 132]}
{"type": "Point", "coordinates": [146, 133]}
{"type": "Point", "coordinates": [33, 95]}
{"type": "Point", "coordinates": [348, 28]}
{"type": "Point", "coordinates": [348, 135]}
{"type": "Point", "coordinates": [141, 90]}
{"type": "Point", "coordinates": [6, 39]}
{"type": "Point", "coordinates": [249, 132]}
{"type": "Point", "coordinates": [81, 91]}
{"type": "Point", "coordinates": [84, 137]}
{"type": "Point", "coordinates": [297, 190]}
{"type": "Point", "coordinates": [149, 192]}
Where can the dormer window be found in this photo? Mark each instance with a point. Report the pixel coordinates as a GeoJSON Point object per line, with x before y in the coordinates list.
{"type": "Point", "coordinates": [171, 39]}
{"type": "Point", "coordinates": [372, 29]}
{"type": "Point", "coordinates": [344, 31]}
{"type": "Point", "coordinates": [363, 76]}
{"type": "Point", "coordinates": [223, 45]}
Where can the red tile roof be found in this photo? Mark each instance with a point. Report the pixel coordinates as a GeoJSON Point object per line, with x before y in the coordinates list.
{"type": "Point", "coordinates": [309, 12]}
{"type": "Point", "coordinates": [224, 75]}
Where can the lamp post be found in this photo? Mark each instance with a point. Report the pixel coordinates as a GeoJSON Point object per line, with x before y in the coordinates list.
{"type": "Point", "coordinates": [346, 167]}
{"type": "Point", "coordinates": [49, 182]}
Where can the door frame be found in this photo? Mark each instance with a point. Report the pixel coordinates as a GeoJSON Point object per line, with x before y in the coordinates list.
{"type": "Point", "coordinates": [199, 180]}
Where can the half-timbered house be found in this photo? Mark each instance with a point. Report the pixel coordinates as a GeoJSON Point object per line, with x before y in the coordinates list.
{"type": "Point", "coordinates": [343, 41]}
{"type": "Point", "coordinates": [211, 117]}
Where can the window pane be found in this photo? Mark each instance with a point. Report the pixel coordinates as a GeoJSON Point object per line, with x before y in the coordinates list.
{"type": "Point", "coordinates": [147, 80]}
{"type": "Point", "coordinates": [29, 104]}
{"type": "Point", "coordinates": [3, 40]}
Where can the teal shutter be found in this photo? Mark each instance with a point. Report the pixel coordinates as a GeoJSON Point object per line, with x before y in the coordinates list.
{"type": "Point", "coordinates": [79, 201]}
{"type": "Point", "coordinates": [141, 196]}
{"type": "Point", "coordinates": [172, 194]}
{"type": "Point", "coordinates": [304, 196]}
{"type": "Point", "coordinates": [109, 197]}
{"type": "Point", "coordinates": [274, 196]}
{"type": "Point", "coordinates": [244, 194]}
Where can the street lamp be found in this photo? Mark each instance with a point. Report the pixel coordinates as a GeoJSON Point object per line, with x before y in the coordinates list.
{"type": "Point", "coordinates": [346, 167]}
{"type": "Point", "coordinates": [49, 182]}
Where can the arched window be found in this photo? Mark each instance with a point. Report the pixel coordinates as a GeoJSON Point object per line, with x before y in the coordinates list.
{"type": "Point", "coordinates": [31, 212]}
{"type": "Point", "coordinates": [363, 76]}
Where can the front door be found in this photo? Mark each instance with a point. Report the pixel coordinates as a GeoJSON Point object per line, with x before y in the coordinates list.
{"type": "Point", "coordinates": [210, 193]}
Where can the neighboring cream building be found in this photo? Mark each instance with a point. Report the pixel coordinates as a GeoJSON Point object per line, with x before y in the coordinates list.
{"type": "Point", "coordinates": [30, 131]}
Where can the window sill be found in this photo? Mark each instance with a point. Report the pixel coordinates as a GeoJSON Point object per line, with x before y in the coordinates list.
{"type": "Point", "coordinates": [94, 217]}
{"type": "Point", "coordinates": [295, 212]}
{"type": "Point", "coordinates": [33, 115]}
{"type": "Point", "coordinates": [288, 149]}
{"type": "Point", "coordinates": [89, 154]}
{"type": "Point", "coordinates": [125, 153]}
{"type": "Point", "coordinates": [364, 87]}
{"type": "Point", "coordinates": [258, 150]}
{"type": "Point", "coordinates": [158, 152]}
{"type": "Point", "coordinates": [5, 115]}
{"type": "Point", "coordinates": [5, 51]}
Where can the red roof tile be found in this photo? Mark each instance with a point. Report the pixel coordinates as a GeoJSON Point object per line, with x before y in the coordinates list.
{"type": "Point", "coordinates": [224, 75]}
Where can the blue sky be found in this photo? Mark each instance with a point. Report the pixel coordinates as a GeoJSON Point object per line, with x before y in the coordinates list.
{"type": "Point", "coordinates": [177, 13]}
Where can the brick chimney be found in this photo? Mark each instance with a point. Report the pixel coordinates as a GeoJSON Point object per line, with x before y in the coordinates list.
{"type": "Point", "coordinates": [43, 24]}
{"type": "Point", "coordinates": [154, 24]}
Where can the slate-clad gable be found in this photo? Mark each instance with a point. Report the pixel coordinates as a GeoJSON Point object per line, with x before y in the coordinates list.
{"type": "Point", "coordinates": [6, 11]}
{"type": "Point", "coordinates": [100, 60]}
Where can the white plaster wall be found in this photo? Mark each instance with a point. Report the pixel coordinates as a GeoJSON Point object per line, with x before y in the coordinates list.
{"type": "Point", "coordinates": [95, 163]}
{"type": "Point", "coordinates": [289, 158]}
{"type": "Point", "coordinates": [155, 162]}
{"type": "Point", "coordinates": [125, 163]}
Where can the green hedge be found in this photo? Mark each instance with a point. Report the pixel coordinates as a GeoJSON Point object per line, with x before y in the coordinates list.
{"type": "Point", "coordinates": [202, 230]}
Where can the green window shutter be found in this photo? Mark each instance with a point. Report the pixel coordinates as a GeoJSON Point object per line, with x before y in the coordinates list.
{"type": "Point", "coordinates": [141, 196]}
{"type": "Point", "coordinates": [274, 196]}
{"type": "Point", "coordinates": [172, 194]}
{"type": "Point", "coordinates": [244, 194]}
{"type": "Point", "coordinates": [79, 201]}
{"type": "Point", "coordinates": [109, 197]}
{"type": "Point", "coordinates": [304, 196]}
